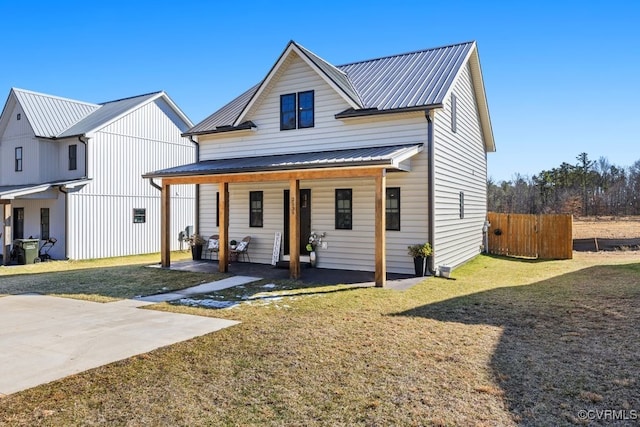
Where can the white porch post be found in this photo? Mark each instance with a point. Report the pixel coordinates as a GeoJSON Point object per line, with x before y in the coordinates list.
{"type": "Point", "coordinates": [6, 231]}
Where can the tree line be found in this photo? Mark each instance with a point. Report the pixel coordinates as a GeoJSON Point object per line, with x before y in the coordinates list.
{"type": "Point", "coordinates": [586, 188]}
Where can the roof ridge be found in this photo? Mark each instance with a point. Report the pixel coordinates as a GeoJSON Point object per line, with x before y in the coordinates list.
{"type": "Point", "coordinates": [131, 97]}
{"type": "Point", "coordinates": [61, 98]}
{"type": "Point", "coordinates": [405, 53]}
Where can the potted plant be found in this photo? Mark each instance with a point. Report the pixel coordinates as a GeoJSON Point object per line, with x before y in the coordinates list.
{"type": "Point", "coordinates": [196, 242]}
{"type": "Point", "coordinates": [233, 244]}
{"type": "Point", "coordinates": [420, 253]}
{"type": "Point", "coordinates": [315, 239]}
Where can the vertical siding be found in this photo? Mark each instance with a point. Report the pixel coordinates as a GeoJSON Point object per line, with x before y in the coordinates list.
{"type": "Point", "coordinates": [101, 213]}
{"type": "Point", "coordinates": [18, 133]}
{"type": "Point", "coordinates": [32, 220]}
{"type": "Point", "coordinates": [347, 249]}
{"type": "Point", "coordinates": [460, 165]}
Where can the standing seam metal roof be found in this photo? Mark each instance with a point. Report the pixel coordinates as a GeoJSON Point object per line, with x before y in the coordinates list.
{"type": "Point", "coordinates": [408, 80]}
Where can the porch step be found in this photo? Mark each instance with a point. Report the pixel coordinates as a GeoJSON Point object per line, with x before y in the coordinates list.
{"type": "Point", "coordinates": [285, 264]}
{"type": "Point", "coordinates": [303, 258]}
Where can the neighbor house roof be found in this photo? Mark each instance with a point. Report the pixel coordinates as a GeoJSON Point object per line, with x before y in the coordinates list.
{"type": "Point", "coordinates": [409, 81]}
{"type": "Point", "coordinates": [55, 117]}
{"type": "Point", "coordinates": [390, 156]}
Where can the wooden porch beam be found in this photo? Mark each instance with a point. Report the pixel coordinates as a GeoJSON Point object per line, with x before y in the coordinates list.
{"type": "Point", "coordinates": [165, 226]}
{"type": "Point", "coordinates": [361, 172]}
{"type": "Point", "coordinates": [223, 248]}
{"type": "Point", "coordinates": [381, 226]}
{"type": "Point", "coordinates": [294, 229]}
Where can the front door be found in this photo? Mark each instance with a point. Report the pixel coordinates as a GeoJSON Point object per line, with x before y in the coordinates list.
{"type": "Point", "coordinates": [18, 223]}
{"type": "Point", "coordinates": [305, 221]}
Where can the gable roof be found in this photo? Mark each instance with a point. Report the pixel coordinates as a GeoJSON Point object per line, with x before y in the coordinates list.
{"type": "Point", "coordinates": [55, 117]}
{"type": "Point", "coordinates": [411, 81]}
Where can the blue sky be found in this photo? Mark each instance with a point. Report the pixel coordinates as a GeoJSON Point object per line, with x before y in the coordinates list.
{"type": "Point", "coordinates": [562, 77]}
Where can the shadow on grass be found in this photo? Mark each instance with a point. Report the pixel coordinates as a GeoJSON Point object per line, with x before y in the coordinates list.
{"type": "Point", "coordinates": [569, 344]}
{"type": "Point", "coordinates": [115, 282]}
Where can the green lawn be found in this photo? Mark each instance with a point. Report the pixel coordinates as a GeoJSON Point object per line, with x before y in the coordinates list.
{"type": "Point", "coordinates": [507, 342]}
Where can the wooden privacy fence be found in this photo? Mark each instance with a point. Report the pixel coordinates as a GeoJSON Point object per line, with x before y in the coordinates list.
{"type": "Point", "coordinates": [531, 236]}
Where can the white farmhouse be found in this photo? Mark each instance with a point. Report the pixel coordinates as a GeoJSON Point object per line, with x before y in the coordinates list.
{"type": "Point", "coordinates": [378, 154]}
{"type": "Point", "coordinates": [70, 170]}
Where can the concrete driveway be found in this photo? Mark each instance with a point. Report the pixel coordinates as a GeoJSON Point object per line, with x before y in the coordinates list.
{"type": "Point", "coordinates": [45, 338]}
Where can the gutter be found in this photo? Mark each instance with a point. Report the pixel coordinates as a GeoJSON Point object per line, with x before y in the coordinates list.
{"type": "Point", "coordinates": [431, 189]}
{"type": "Point", "coordinates": [350, 113]}
{"type": "Point", "coordinates": [197, 207]}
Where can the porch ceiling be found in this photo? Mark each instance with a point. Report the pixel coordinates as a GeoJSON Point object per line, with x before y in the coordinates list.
{"type": "Point", "coordinates": [388, 157]}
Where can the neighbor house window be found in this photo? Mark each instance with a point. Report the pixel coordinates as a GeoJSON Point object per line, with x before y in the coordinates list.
{"type": "Point", "coordinates": [44, 223]}
{"type": "Point", "coordinates": [344, 210]}
{"type": "Point", "coordinates": [73, 157]}
{"type": "Point", "coordinates": [18, 159]}
{"type": "Point", "coordinates": [461, 204]}
{"type": "Point", "coordinates": [139, 216]}
{"type": "Point", "coordinates": [297, 110]}
{"type": "Point", "coordinates": [454, 113]}
{"type": "Point", "coordinates": [255, 209]}
{"type": "Point", "coordinates": [393, 208]}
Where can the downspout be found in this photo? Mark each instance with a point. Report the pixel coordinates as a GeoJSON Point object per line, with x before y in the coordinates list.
{"type": "Point", "coordinates": [431, 188]}
{"type": "Point", "coordinates": [66, 219]}
{"type": "Point", "coordinates": [197, 218]}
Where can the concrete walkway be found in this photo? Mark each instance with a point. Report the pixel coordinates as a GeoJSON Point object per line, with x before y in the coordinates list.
{"type": "Point", "coordinates": [200, 289]}
{"type": "Point", "coordinates": [45, 338]}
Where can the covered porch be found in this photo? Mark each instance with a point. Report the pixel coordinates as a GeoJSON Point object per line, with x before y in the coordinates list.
{"type": "Point", "coordinates": [367, 163]}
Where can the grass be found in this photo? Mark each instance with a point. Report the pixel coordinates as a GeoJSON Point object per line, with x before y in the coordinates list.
{"type": "Point", "coordinates": [507, 343]}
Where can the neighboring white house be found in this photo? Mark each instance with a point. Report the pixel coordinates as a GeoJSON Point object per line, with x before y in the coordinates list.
{"type": "Point", "coordinates": [386, 153]}
{"type": "Point", "coordinates": [71, 170]}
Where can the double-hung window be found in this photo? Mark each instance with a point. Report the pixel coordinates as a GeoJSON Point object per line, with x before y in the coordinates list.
{"type": "Point", "coordinates": [73, 157]}
{"type": "Point", "coordinates": [297, 110]}
{"type": "Point", "coordinates": [44, 223]}
{"type": "Point", "coordinates": [18, 158]}
{"type": "Point", "coordinates": [256, 210]}
{"type": "Point", "coordinates": [344, 209]}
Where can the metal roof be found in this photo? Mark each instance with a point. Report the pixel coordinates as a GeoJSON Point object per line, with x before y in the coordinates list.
{"type": "Point", "coordinates": [105, 114]}
{"type": "Point", "coordinates": [12, 191]}
{"type": "Point", "coordinates": [370, 156]}
{"type": "Point", "coordinates": [410, 80]}
{"type": "Point", "coordinates": [50, 115]}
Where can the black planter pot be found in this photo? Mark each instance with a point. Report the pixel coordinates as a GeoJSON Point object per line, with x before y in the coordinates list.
{"type": "Point", "coordinates": [196, 252]}
{"type": "Point", "coordinates": [420, 265]}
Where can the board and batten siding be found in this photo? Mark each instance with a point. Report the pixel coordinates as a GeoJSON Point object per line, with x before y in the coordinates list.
{"type": "Point", "coordinates": [460, 166]}
{"type": "Point", "coordinates": [347, 249]}
{"type": "Point", "coordinates": [101, 213]}
{"type": "Point", "coordinates": [18, 133]}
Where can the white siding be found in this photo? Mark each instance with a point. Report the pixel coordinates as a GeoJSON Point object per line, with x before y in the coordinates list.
{"type": "Point", "coordinates": [460, 165]}
{"type": "Point", "coordinates": [32, 220]}
{"type": "Point", "coordinates": [101, 213]}
{"type": "Point", "coordinates": [18, 133]}
{"type": "Point", "coordinates": [347, 249]}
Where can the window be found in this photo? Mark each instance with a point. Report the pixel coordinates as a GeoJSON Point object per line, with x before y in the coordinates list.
{"type": "Point", "coordinates": [393, 208]}
{"type": "Point", "coordinates": [344, 211]}
{"type": "Point", "coordinates": [44, 223]}
{"type": "Point", "coordinates": [139, 216]}
{"type": "Point", "coordinates": [217, 209]}
{"type": "Point", "coordinates": [255, 209]}
{"type": "Point", "coordinates": [73, 157]}
{"type": "Point", "coordinates": [454, 108]}
{"type": "Point", "coordinates": [461, 204]}
{"type": "Point", "coordinates": [297, 110]}
{"type": "Point", "coordinates": [18, 159]}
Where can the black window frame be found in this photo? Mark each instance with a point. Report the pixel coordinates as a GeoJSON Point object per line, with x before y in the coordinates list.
{"type": "Point", "coordinates": [139, 215]}
{"type": "Point", "coordinates": [294, 109]}
{"type": "Point", "coordinates": [461, 205]}
{"type": "Point", "coordinates": [343, 214]}
{"type": "Point", "coordinates": [45, 223]}
{"type": "Point", "coordinates": [256, 209]}
{"type": "Point", "coordinates": [73, 157]}
{"type": "Point", "coordinates": [454, 113]}
{"type": "Point", "coordinates": [391, 212]}
{"type": "Point", "coordinates": [18, 159]}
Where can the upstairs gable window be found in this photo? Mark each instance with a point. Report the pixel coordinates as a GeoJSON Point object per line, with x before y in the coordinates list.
{"type": "Point", "coordinates": [297, 110]}
{"type": "Point", "coordinates": [18, 163]}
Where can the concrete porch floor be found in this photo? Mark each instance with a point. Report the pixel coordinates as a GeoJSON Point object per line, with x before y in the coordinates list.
{"type": "Point", "coordinates": [315, 276]}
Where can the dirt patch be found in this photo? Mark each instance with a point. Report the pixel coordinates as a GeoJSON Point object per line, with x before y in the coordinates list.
{"type": "Point", "coordinates": [606, 227]}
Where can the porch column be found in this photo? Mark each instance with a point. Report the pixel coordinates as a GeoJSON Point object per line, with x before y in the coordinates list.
{"type": "Point", "coordinates": [294, 229]}
{"type": "Point", "coordinates": [381, 226]}
{"type": "Point", "coordinates": [165, 226]}
{"type": "Point", "coordinates": [6, 231]}
{"type": "Point", "coordinates": [223, 223]}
